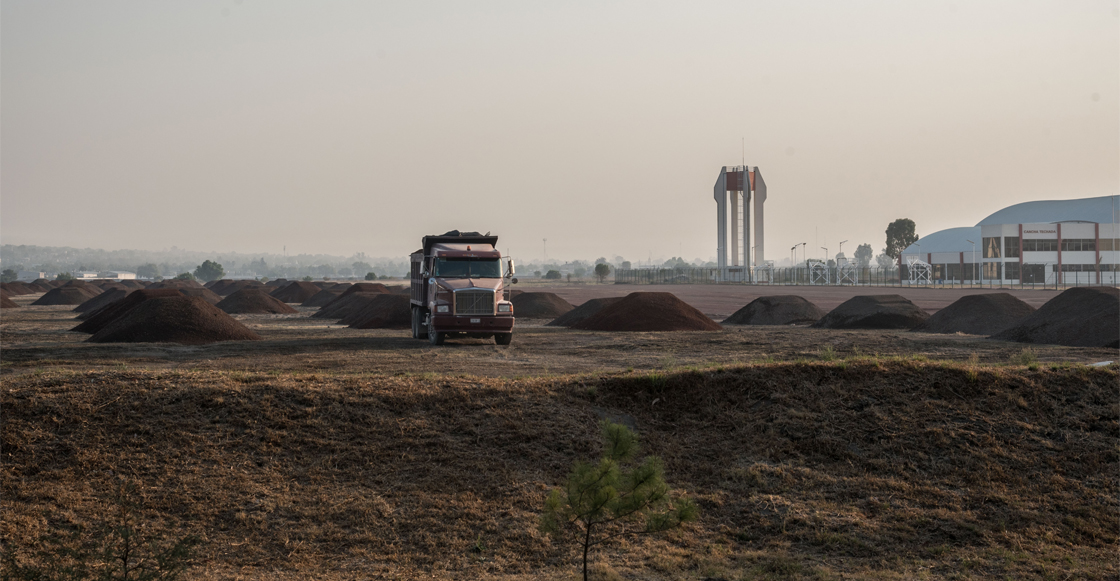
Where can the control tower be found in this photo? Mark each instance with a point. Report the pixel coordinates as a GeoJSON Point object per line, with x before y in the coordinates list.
{"type": "Point", "coordinates": [739, 184]}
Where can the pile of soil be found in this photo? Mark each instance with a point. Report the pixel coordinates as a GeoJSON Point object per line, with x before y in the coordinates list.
{"type": "Point", "coordinates": [539, 306]}
{"type": "Point", "coordinates": [1079, 317]}
{"type": "Point", "coordinates": [100, 318]}
{"type": "Point", "coordinates": [296, 292]}
{"type": "Point", "coordinates": [66, 295]}
{"type": "Point", "coordinates": [251, 301]}
{"type": "Point", "coordinates": [581, 312]}
{"type": "Point", "coordinates": [874, 312]}
{"type": "Point", "coordinates": [776, 310]}
{"type": "Point", "coordinates": [6, 302]}
{"type": "Point", "coordinates": [42, 284]}
{"type": "Point", "coordinates": [202, 293]}
{"type": "Point", "coordinates": [86, 286]}
{"type": "Point", "coordinates": [346, 305]}
{"type": "Point", "coordinates": [361, 287]}
{"type": "Point", "coordinates": [176, 283]}
{"type": "Point", "coordinates": [133, 284]}
{"type": "Point", "coordinates": [109, 285]}
{"type": "Point", "coordinates": [646, 311]}
{"type": "Point", "coordinates": [384, 311]}
{"type": "Point", "coordinates": [229, 287]}
{"type": "Point", "coordinates": [323, 297]}
{"type": "Point", "coordinates": [186, 320]}
{"type": "Point", "coordinates": [984, 314]}
{"type": "Point", "coordinates": [109, 296]}
{"type": "Point", "coordinates": [15, 289]}
{"type": "Point", "coordinates": [276, 283]}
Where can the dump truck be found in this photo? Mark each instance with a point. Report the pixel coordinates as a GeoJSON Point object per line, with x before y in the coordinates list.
{"type": "Point", "coordinates": [460, 288]}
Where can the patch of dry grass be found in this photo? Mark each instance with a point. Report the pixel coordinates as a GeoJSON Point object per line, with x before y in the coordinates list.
{"type": "Point", "coordinates": [870, 469]}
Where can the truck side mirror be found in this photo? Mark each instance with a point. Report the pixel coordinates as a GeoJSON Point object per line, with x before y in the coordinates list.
{"type": "Point", "coordinates": [511, 269]}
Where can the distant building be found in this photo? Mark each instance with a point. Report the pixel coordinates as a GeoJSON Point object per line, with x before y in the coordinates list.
{"type": "Point", "coordinates": [28, 276]}
{"type": "Point", "coordinates": [117, 275]}
{"type": "Point", "coordinates": [1047, 241]}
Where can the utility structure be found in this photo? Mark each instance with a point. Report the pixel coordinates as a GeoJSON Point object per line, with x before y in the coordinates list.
{"type": "Point", "coordinates": [734, 190]}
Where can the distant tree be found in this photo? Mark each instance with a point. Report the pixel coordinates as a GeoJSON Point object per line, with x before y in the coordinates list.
{"type": "Point", "coordinates": [579, 272]}
{"type": "Point", "coordinates": [149, 270]}
{"type": "Point", "coordinates": [884, 261]}
{"type": "Point", "coordinates": [553, 275]}
{"type": "Point", "coordinates": [863, 255]}
{"type": "Point", "coordinates": [8, 275]}
{"type": "Point", "coordinates": [208, 271]}
{"type": "Point", "coordinates": [307, 278]}
{"type": "Point", "coordinates": [387, 277]}
{"type": "Point", "coordinates": [900, 234]}
{"type": "Point", "coordinates": [264, 279]}
{"type": "Point", "coordinates": [601, 260]}
{"type": "Point", "coordinates": [602, 269]}
{"type": "Point", "coordinates": [371, 276]}
{"type": "Point", "coordinates": [569, 275]}
{"type": "Point", "coordinates": [184, 276]}
{"type": "Point", "coordinates": [675, 262]}
{"type": "Point", "coordinates": [361, 266]}
{"type": "Point", "coordinates": [64, 276]}
{"type": "Point", "coordinates": [625, 265]}
{"type": "Point", "coordinates": [613, 498]}
{"type": "Point", "coordinates": [537, 273]}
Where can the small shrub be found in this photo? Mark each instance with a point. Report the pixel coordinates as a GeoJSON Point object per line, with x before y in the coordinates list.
{"type": "Point", "coordinates": [1026, 357]}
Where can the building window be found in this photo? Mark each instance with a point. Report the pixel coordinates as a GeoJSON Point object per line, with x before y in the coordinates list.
{"type": "Point", "coordinates": [1011, 270]}
{"type": "Point", "coordinates": [991, 247]}
{"type": "Point", "coordinates": [1078, 244]}
{"type": "Point", "coordinates": [1108, 244]}
{"type": "Point", "coordinates": [1011, 246]}
{"type": "Point", "coordinates": [1034, 273]}
{"type": "Point", "coordinates": [992, 271]}
{"type": "Point", "coordinates": [1040, 245]}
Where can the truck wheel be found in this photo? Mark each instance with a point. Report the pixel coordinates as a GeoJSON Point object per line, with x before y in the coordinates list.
{"type": "Point", "coordinates": [503, 338]}
{"type": "Point", "coordinates": [419, 329]}
{"type": "Point", "coordinates": [433, 337]}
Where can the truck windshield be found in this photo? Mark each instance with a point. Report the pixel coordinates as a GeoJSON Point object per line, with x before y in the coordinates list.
{"type": "Point", "coordinates": [468, 268]}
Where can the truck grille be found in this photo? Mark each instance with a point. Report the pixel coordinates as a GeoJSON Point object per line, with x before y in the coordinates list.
{"type": "Point", "coordinates": [474, 302]}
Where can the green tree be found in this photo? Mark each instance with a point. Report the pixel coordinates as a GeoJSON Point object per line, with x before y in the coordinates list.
{"type": "Point", "coordinates": [614, 497]}
{"type": "Point", "coordinates": [64, 276]}
{"type": "Point", "coordinates": [208, 271]}
{"type": "Point", "coordinates": [602, 270]}
{"type": "Point", "coordinates": [884, 261]}
{"type": "Point", "coordinates": [552, 275]}
{"type": "Point", "coordinates": [863, 255]}
{"type": "Point", "coordinates": [149, 270]}
{"type": "Point", "coordinates": [371, 276]}
{"type": "Point", "coordinates": [900, 234]}
{"type": "Point", "coordinates": [184, 276]}
{"type": "Point", "coordinates": [8, 275]}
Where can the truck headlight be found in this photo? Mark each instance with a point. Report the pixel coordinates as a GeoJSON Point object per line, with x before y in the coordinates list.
{"type": "Point", "coordinates": [505, 308]}
{"type": "Point", "coordinates": [442, 308]}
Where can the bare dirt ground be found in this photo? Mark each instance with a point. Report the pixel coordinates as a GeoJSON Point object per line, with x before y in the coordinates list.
{"type": "Point", "coordinates": [323, 452]}
{"type": "Point", "coordinates": [35, 337]}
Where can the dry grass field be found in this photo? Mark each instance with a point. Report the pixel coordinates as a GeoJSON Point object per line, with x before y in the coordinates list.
{"type": "Point", "coordinates": [332, 453]}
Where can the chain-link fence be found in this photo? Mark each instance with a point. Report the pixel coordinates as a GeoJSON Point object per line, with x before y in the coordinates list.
{"type": "Point", "coordinates": [940, 276]}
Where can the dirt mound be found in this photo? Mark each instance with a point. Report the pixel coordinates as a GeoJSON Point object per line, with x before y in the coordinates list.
{"type": "Point", "coordinates": [251, 301]}
{"type": "Point", "coordinates": [109, 285]}
{"type": "Point", "coordinates": [133, 284]}
{"type": "Point", "coordinates": [776, 310]}
{"type": "Point", "coordinates": [186, 320]}
{"type": "Point", "coordinates": [43, 284]}
{"type": "Point", "coordinates": [232, 286]}
{"type": "Point", "coordinates": [66, 295]}
{"type": "Point", "coordinates": [345, 305]}
{"type": "Point", "coordinates": [874, 312]}
{"type": "Point", "coordinates": [648, 311]}
{"type": "Point", "coordinates": [983, 314]}
{"type": "Point", "coordinates": [97, 319]}
{"type": "Point", "coordinates": [6, 302]}
{"type": "Point", "coordinates": [276, 283]}
{"type": "Point", "coordinates": [384, 311]}
{"type": "Point", "coordinates": [322, 298]}
{"type": "Point", "coordinates": [296, 292]}
{"type": "Point", "coordinates": [109, 296]}
{"type": "Point", "coordinates": [176, 283]}
{"type": "Point", "coordinates": [202, 293]}
{"type": "Point", "coordinates": [582, 312]}
{"type": "Point", "coordinates": [17, 288]}
{"type": "Point", "coordinates": [87, 286]}
{"type": "Point", "coordinates": [360, 287]}
{"type": "Point", "coordinates": [539, 306]}
{"type": "Point", "coordinates": [1079, 317]}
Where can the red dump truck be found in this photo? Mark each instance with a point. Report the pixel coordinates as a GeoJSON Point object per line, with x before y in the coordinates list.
{"type": "Point", "coordinates": [459, 288]}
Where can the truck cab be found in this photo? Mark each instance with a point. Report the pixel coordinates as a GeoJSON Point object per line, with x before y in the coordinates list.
{"type": "Point", "coordinates": [459, 284]}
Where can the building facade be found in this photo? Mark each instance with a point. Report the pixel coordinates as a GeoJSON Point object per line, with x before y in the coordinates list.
{"type": "Point", "coordinates": [1063, 242]}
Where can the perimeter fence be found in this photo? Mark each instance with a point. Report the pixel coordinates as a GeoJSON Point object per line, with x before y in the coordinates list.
{"type": "Point", "coordinates": [1038, 276]}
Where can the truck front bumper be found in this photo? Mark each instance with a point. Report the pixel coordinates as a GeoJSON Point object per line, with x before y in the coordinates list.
{"type": "Point", "coordinates": [469, 324]}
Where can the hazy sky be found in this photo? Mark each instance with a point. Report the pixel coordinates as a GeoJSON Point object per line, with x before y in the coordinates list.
{"type": "Point", "coordinates": [339, 127]}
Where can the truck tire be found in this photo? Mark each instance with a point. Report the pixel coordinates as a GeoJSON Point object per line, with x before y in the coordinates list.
{"type": "Point", "coordinates": [503, 338]}
{"type": "Point", "coordinates": [434, 337]}
{"type": "Point", "coordinates": [419, 329]}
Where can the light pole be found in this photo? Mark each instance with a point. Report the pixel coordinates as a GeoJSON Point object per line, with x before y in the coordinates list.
{"type": "Point", "coordinates": [974, 265]}
{"type": "Point", "coordinates": [841, 248]}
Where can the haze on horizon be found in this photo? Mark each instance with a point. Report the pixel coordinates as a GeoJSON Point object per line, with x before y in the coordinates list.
{"type": "Point", "coordinates": [343, 127]}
